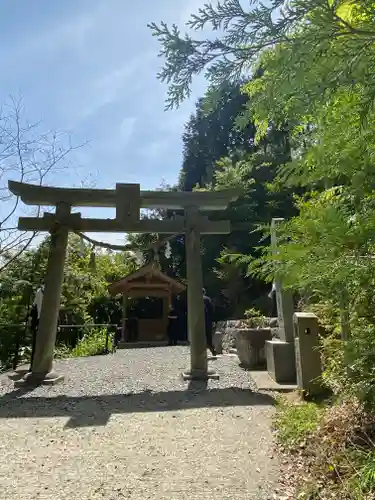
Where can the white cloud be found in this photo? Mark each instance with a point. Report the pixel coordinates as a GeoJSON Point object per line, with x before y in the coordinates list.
{"type": "Point", "coordinates": [93, 71]}
{"type": "Point", "coordinates": [70, 33]}
{"type": "Point", "coordinates": [126, 129]}
{"type": "Point", "coordinates": [155, 149]}
{"type": "Point", "coordinates": [92, 95]}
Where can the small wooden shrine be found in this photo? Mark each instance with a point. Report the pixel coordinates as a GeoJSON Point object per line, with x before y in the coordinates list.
{"type": "Point", "coordinates": [148, 282]}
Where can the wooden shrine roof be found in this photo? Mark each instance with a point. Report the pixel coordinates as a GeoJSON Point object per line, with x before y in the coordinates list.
{"type": "Point", "coordinates": [148, 281]}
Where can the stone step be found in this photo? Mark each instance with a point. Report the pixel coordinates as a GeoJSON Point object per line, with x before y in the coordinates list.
{"type": "Point", "coordinates": [264, 382]}
{"type": "Point", "coordinates": [142, 344]}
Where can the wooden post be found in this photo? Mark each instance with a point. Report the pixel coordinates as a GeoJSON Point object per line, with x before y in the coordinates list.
{"type": "Point", "coordinates": [124, 314]}
{"type": "Point", "coordinates": [165, 317]}
{"type": "Point", "coordinates": [42, 368]}
{"type": "Point", "coordinates": [196, 323]}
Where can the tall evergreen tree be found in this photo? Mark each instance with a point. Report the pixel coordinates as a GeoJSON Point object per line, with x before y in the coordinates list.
{"type": "Point", "coordinates": [211, 134]}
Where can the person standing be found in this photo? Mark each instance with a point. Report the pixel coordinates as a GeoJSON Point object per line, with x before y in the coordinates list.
{"type": "Point", "coordinates": [117, 335]}
{"type": "Point", "coordinates": [36, 309]}
{"type": "Point", "coordinates": [209, 319]}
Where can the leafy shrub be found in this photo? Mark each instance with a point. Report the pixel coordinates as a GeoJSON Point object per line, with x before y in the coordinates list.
{"type": "Point", "coordinates": [295, 422]}
{"type": "Point", "coordinates": [328, 451]}
{"type": "Point", "coordinates": [253, 313]}
{"type": "Point", "coordinates": [255, 319]}
{"type": "Point", "coordinates": [363, 481]}
{"type": "Point", "coordinates": [360, 358]}
{"type": "Point", "coordinates": [91, 344]}
{"type": "Point", "coordinates": [9, 337]}
{"type": "Point", "coordinates": [334, 375]}
{"type": "Point", "coordinates": [62, 351]}
{"type": "Point", "coordinates": [349, 366]}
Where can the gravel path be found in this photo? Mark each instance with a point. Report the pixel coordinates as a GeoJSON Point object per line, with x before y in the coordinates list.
{"type": "Point", "coordinates": [125, 426]}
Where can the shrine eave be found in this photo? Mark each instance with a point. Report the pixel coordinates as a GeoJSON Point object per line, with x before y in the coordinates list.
{"type": "Point", "coordinates": [32, 194]}
{"type": "Point", "coordinates": [133, 284]}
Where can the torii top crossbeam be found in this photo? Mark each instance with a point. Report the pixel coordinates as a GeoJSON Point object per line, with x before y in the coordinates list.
{"type": "Point", "coordinates": [79, 197]}
{"type": "Point", "coordinates": [128, 200]}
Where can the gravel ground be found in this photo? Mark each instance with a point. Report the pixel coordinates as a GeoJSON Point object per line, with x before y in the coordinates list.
{"type": "Point", "coordinates": [125, 426]}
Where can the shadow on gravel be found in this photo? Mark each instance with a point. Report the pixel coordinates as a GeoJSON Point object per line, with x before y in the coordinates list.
{"type": "Point", "coordinates": [96, 410]}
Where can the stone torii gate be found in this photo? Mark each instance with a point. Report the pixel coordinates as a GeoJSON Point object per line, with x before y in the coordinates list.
{"type": "Point", "coordinates": [128, 200]}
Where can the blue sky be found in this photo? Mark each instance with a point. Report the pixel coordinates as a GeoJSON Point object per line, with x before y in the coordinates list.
{"type": "Point", "coordinates": [88, 67]}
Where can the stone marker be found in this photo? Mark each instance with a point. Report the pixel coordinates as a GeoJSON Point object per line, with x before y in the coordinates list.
{"type": "Point", "coordinates": [308, 362]}
{"type": "Point", "coordinates": [280, 352]}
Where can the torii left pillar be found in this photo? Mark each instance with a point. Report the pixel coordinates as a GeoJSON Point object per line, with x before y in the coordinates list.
{"type": "Point", "coordinates": [42, 371]}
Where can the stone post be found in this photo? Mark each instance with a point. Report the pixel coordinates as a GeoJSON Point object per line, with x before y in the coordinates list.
{"type": "Point", "coordinates": [195, 305]}
{"type": "Point", "coordinates": [42, 368]}
{"type": "Point", "coordinates": [308, 362]}
{"type": "Point", "coordinates": [280, 353]}
{"type": "Point", "coordinates": [284, 298]}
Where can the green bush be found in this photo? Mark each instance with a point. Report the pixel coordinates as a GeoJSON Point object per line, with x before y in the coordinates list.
{"type": "Point", "coordinates": [91, 344]}
{"type": "Point", "coordinates": [62, 351]}
{"type": "Point", "coordinates": [349, 366]}
{"type": "Point", "coordinates": [334, 375]}
{"type": "Point", "coordinates": [255, 318]}
{"type": "Point", "coordinates": [330, 449]}
{"type": "Point", "coordinates": [363, 479]}
{"type": "Point", "coordinates": [360, 358]}
{"type": "Point", "coordinates": [295, 422]}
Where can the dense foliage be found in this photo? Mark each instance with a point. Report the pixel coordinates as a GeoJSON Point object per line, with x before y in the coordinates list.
{"type": "Point", "coordinates": [309, 68]}
{"type": "Point", "coordinates": [84, 300]}
{"type": "Point", "coordinates": [327, 450]}
{"type": "Point", "coordinates": [211, 134]}
{"type": "Point", "coordinates": [312, 65]}
{"type": "Point", "coordinates": [217, 154]}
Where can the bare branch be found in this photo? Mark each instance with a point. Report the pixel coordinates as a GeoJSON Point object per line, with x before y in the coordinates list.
{"type": "Point", "coordinates": [27, 154]}
{"type": "Point", "coordinates": [18, 253]}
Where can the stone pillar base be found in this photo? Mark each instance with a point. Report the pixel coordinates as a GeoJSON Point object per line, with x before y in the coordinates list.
{"type": "Point", "coordinates": [35, 379]}
{"type": "Point", "coordinates": [281, 362]}
{"type": "Point", "coordinates": [200, 375]}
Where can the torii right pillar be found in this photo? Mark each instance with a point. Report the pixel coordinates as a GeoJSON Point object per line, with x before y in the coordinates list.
{"type": "Point", "coordinates": [280, 353]}
{"type": "Point", "coordinates": [195, 305]}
